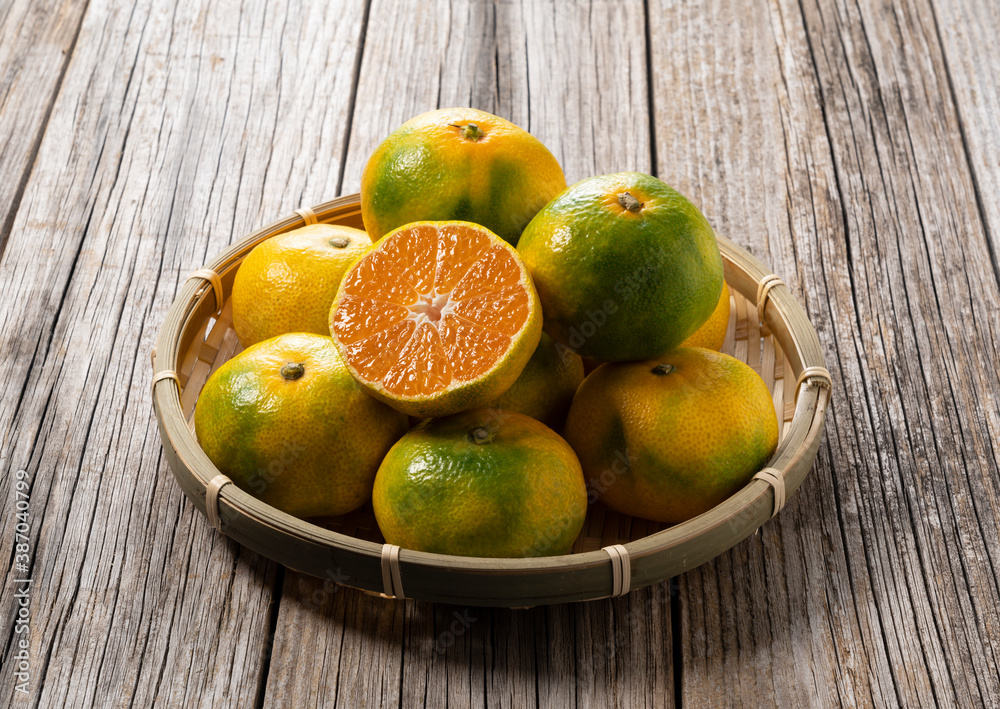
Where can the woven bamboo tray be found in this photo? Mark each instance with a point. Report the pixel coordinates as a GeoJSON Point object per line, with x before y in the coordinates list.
{"type": "Point", "coordinates": [776, 339]}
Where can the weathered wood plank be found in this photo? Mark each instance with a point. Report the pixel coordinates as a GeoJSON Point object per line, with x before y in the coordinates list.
{"type": "Point", "coordinates": [353, 650]}
{"type": "Point", "coordinates": [538, 65]}
{"type": "Point", "coordinates": [574, 75]}
{"type": "Point", "coordinates": [179, 127]}
{"type": "Point", "coordinates": [36, 41]}
{"type": "Point", "coordinates": [824, 138]}
{"type": "Point", "coordinates": [967, 30]}
{"type": "Point", "coordinates": [739, 131]}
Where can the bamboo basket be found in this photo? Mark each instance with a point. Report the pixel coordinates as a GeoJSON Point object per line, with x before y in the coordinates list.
{"type": "Point", "coordinates": [775, 339]}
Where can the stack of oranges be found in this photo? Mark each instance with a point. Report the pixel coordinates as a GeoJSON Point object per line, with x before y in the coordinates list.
{"type": "Point", "coordinates": [431, 362]}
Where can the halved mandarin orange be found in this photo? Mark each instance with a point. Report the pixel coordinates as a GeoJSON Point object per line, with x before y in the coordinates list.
{"type": "Point", "coordinates": [439, 317]}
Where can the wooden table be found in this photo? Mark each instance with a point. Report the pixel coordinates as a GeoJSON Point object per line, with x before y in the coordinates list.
{"type": "Point", "coordinates": [853, 146]}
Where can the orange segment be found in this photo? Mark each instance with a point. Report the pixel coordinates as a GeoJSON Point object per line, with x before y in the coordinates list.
{"type": "Point", "coordinates": [379, 276]}
{"type": "Point", "coordinates": [503, 311]}
{"type": "Point", "coordinates": [415, 258]}
{"type": "Point", "coordinates": [494, 270]}
{"type": "Point", "coordinates": [459, 249]}
{"type": "Point", "coordinates": [422, 367]}
{"type": "Point", "coordinates": [482, 348]}
{"type": "Point", "coordinates": [439, 317]}
{"type": "Point", "coordinates": [358, 317]}
{"type": "Point", "coordinates": [372, 357]}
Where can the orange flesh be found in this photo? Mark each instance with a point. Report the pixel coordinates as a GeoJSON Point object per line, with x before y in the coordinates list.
{"type": "Point", "coordinates": [430, 307]}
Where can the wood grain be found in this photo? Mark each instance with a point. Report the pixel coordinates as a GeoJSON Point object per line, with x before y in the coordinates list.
{"type": "Point", "coordinates": [177, 126]}
{"type": "Point", "coordinates": [362, 651]}
{"type": "Point", "coordinates": [965, 29]}
{"type": "Point", "coordinates": [739, 132]}
{"type": "Point", "coordinates": [927, 301]}
{"type": "Point", "coordinates": [37, 40]}
{"type": "Point", "coordinates": [824, 138]}
{"type": "Point", "coordinates": [502, 57]}
{"type": "Point", "coordinates": [351, 649]}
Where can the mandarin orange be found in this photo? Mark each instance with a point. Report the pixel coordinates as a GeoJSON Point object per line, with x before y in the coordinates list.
{"type": "Point", "coordinates": [286, 421]}
{"type": "Point", "coordinates": [458, 164]}
{"type": "Point", "coordinates": [437, 318]}
{"type": "Point", "coordinates": [671, 437]}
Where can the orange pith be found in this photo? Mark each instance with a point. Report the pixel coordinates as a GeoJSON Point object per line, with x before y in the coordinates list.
{"type": "Point", "coordinates": [435, 305]}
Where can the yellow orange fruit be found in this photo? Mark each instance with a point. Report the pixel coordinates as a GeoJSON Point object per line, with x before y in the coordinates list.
{"type": "Point", "coordinates": [458, 164]}
{"type": "Point", "coordinates": [287, 283]}
{"type": "Point", "coordinates": [438, 317]}
{"type": "Point", "coordinates": [545, 389]}
{"type": "Point", "coordinates": [671, 437]}
{"type": "Point", "coordinates": [712, 334]}
{"type": "Point", "coordinates": [626, 268]}
{"type": "Point", "coordinates": [287, 422]}
{"type": "Point", "coordinates": [486, 482]}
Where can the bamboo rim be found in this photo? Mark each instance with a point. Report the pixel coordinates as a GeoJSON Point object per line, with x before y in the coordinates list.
{"type": "Point", "coordinates": [189, 342]}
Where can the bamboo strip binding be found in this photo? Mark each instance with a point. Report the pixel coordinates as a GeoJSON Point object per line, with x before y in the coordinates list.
{"type": "Point", "coordinates": [212, 491]}
{"type": "Point", "coordinates": [166, 374]}
{"type": "Point", "coordinates": [763, 288]}
{"type": "Point", "coordinates": [392, 581]}
{"type": "Point", "coordinates": [621, 569]}
{"type": "Point", "coordinates": [207, 274]}
{"type": "Point", "coordinates": [809, 374]}
{"type": "Point", "coordinates": [773, 477]}
{"type": "Point", "coordinates": [308, 215]}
